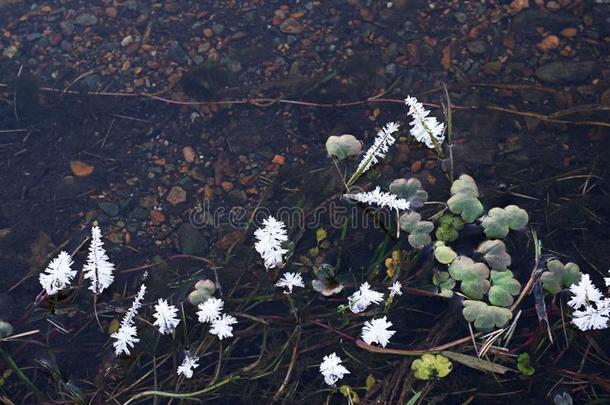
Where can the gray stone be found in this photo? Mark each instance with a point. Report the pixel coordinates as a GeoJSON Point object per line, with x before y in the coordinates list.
{"type": "Point", "coordinates": [527, 21]}
{"type": "Point", "coordinates": [476, 47]}
{"type": "Point", "coordinates": [67, 27]}
{"type": "Point", "coordinates": [86, 20]}
{"type": "Point", "coordinates": [191, 241]}
{"type": "Point", "coordinates": [565, 72]}
{"type": "Point", "coordinates": [110, 209]}
{"type": "Point", "coordinates": [176, 53]}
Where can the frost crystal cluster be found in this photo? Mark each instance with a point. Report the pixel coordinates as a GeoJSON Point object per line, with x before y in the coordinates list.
{"type": "Point", "coordinates": [289, 281]}
{"type": "Point", "coordinates": [58, 274]}
{"type": "Point", "coordinates": [98, 268]}
{"type": "Point", "coordinates": [223, 326]}
{"type": "Point", "coordinates": [269, 241]}
{"type": "Point", "coordinates": [380, 147]}
{"type": "Point", "coordinates": [210, 311]}
{"type": "Point", "coordinates": [361, 299]}
{"type": "Point", "coordinates": [424, 128]}
{"type": "Point", "coordinates": [395, 289]}
{"type": "Point", "coordinates": [165, 317]}
{"type": "Point", "coordinates": [377, 331]}
{"type": "Point", "coordinates": [332, 369]}
{"type": "Point", "coordinates": [189, 364]}
{"type": "Point", "coordinates": [381, 199]}
{"type": "Point", "coordinates": [592, 310]}
{"type": "Point", "coordinates": [127, 335]}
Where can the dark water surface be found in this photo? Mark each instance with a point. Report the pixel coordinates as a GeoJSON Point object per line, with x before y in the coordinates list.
{"type": "Point", "coordinates": [141, 116]}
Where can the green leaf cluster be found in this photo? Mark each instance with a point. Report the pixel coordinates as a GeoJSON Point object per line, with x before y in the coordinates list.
{"type": "Point", "coordinates": [464, 199]}
{"type": "Point", "coordinates": [486, 316]}
{"type": "Point", "coordinates": [473, 276]}
{"type": "Point", "coordinates": [418, 230]}
{"type": "Point", "coordinates": [559, 276]}
{"type": "Point", "coordinates": [344, 146]}
{"type": "Point", "coordinates": [410, 190]}
{"type": "Point", "coordinates": [448, 228]}
{"type": "Point", "coordinates": [503, 287]}
{"type": "Point", "coordinates": [499, 221]}
{"type": "Point", "coordinates": [429, 366]}
{"type": "Point", "coordinates": [443, 253]}
{"type": "Point", "coordinates": [495, 255]}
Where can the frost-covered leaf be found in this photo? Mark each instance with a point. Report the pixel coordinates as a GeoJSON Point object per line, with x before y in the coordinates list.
{"type": "Point", "coordinates": [503, 287]}
{"type": "Point", "coordinates": [429, 366]}
{"type": "Point", "coordinates": [494, 252]}
{"type": "Point", "coordinates": [325, 281]}
{"type": "Point", "coordinates": [485, 316]}
{"type": "Point", "coordinates": [418, 230]}
{"type": "Point", "coordinates": [410, 190]}
{"type": "Point", "coordinates": [499, 221]}
{"type": "Point", "coordinates": [559, 276]}
{"type": "Point", "coordinates": [464, 199]}
{"type": "Point", "coordinates": [474, 276]}
{"type": "Point", "coordinates": [448, 227]}
{"type": "Point", "coordinates": [443, 253]}
{"type": "Point", "coordinates": [445, 283]}
{"type": "Point", "coordinates": [343, 146]}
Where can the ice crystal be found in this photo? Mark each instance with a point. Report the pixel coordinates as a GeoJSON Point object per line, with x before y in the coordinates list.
{"type": "Point", "coordinates": [165, 317]}
{"type": "Point", "coordinates": [395, 289]}
{"type": "Point", "coordinates": [189, 364]}
{"type": "Point", "coordinates": [594, 316]}
{"type": "Point", "coordinates": [380, 198]}
{"type": "Point", "coordinates": [98, 268]}
{"type": "Point", "coordinates": [584, 292]}
{"type": "Point", "coordinates": [58, 274]}
{"type": "Point", "coordinates": [377, 331]}
{"type": "Point", "coordinates": [210, 309]}
{"type": "Point", "coordinates": [361, 299]}
{"type": "Point", "coordinates": [222, 326]}
{"type": "Point", "coordinates": [332, 369]}
{"type": "Point", "coordinates": [289, 281]}
{"type": "Point", "coordinates": [380, 147]}
{"type": "Point", "coordinates": [424, 128]}
{"type": "Point", "coordinates": [127, 334]}
{"type": "Point", "coordinates": [269, 241]}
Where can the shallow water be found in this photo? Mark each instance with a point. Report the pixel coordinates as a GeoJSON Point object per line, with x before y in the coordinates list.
{"type": "Point", "coordinates": [171, 125]}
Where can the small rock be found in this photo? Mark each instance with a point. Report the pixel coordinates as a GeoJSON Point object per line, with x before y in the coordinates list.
{"type": "Point", "coordinates": [227, 186]}
{"type": "Point", "coordinates": [565, 72]}
{"type": "Point", "coordinates": [128, 40]}
{"type": "Point", "coordinates": [208, 33]}
{"type": "Point", "coordinates": [517, 5]}
{"type": "Point", "coordinates": [139, 213]}
{"type": "Point", "coordinates": [569, 32]}
{"type": "Point", "coordinates": [80, 168]}
{"type": "Point", "coordinates": [111, 12]}
{"type": "Point", "coordinates": [67, 27]}
{"type": "Point", "coordinates": [291, 26]}
{"type": "Point", "coordinates": [553, 6]}
{"type": "Point", "coordinates": [86, 20]}
{"type": "Point", "coordinates": [476, 47]}
{"type": "Point", "coordinates": [176, 195]}
{"type": "Point", "coordinates": [189, 154]}
{"type": "Point", "coordinates": [237, 197]}
{"type": "Point", "coordinates": [279, 160]}
{"type": "Point", "coordinates": [109, 208]}
{"type": "Point", "coordinates": [10, 52]}
{"type": "Point", "coordinates": [157, 217]}
{"type": "Point", "coordinates": [416, 166]}
{"type": "Point", "coordinates": [176, 53]}
{"type": "Point", "coordinates": [191, 241]}
{"type": "Point", "coordinates": [460, 17]}
{"type": "Point", "coordinates": [550, 42]}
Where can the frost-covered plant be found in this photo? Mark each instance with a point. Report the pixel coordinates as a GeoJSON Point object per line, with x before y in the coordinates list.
{"type": "Point", "coordinates": [395, 289]}
{"type": "Point", "coordinates": [377, 331]}
{"type": "Point", "coordinates": [365, 296]}
{"type": "Point", "coordinates": [98, 268]}
{"type": "Point", "coordinates": [188, 366]}
{"type": "Point", "coordinates": [381, 146]}
{"type": "Point", "coordinates": [289, 281]}
{"type": "Point", "coordinates": [381, 199]}
{"type": "Point", "coordinates": [332, 369]}
{"type": "Point", "coordinates": [223, 326]}
{"type": "Point", "coordinates": [344, 146]}
{"type": "Point", "coordinates": [127, 334]}
{"type": "Point", "coordinates": [210, 310]}
{"type": "Point", "coordinates": [424, 128]}
{"type": "Point", "coordinates": [592, 310]}
{"type": "Point", "coordinates": [165, 317]}
{"type": "Point", "coordinates": [58, 274]}
{"type": "Point", "coordinates": [269, 241]}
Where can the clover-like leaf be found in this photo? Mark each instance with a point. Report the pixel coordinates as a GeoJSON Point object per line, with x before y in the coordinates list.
{"type": "Point", "coordinates": [429, 366]}
{"type": "Point", "coordinates": [503, 287]}
{"type": "Point", "coordinates": [343, 146]}
{"type": "Point", "coordinates": [494, 253]}
{"type": "Point", "coordinates": [443, 253]}
{"type": "Point", "coordinates": [419, 231]}
{"type": "Point", "coordinates": [410, 190]}
{"type": "Point", "coordinates": [204, 289]}
{"type": "Point", "coordinates": [523, 364]}
{"type": "Point", "coordinates": [474, 276]}
{"type": "Point", "coordinates": [444, 282]}
{"type": "Point", "coordinates": [464, 199]}
{"type": "Point", "coordinates": [448, 228]}
{"type": "Point", "coordinates": [559, 276]}
{"type": "Point", "coordinates": [485, 316]}
{"type": "Point", "coordinates": [499, 221]}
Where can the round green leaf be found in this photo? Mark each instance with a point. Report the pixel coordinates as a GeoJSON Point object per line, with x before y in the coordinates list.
{"type": "Point", "coordinates": [499, 221]}
{"type": "Point", "coordinates": [485, 316]}
{"type": "Point", "coordinates": [464, 199]}
{"type": "Point", "coordinates": [559, 276]}
{"type": "Point", "coordinates": [443, 253]}
{"type": "Point", "coordinates": [344, 146]}
{"type": "Point", "coordinates": [429, 366]}
{"type": "Point", "coordinates": [494, 252]}
{"type": "Point", "coordinates": [504, 286]}
{"type": "Point", "coordinates": [410, 190]}
{"type": "Point", "coordinates": [473, 275]}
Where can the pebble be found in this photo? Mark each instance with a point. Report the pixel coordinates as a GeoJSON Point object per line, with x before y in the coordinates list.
{"type": "Point", "coordinates": [189, 154]}
{"type": "Point", "coordinates": [227, 186]}
{"type": "Point", "coordinates": [176, 53]}
{"type": "Point", "coordinates": [176, 195]}
{"type": "Point", "coordinates": [569, 32]}
{"type": "Point", "coordinates": [550, 42]}
{"type": "Point", "coordinates": [67, 27]}
{"type": "Point", "coordinates": [191, 241]}
{"type": "Point", "coordinates": [86, 20]}
{"type": "Point", "coordinates": [291, 26]}
{"type": "Point", "coordinates": [565, 72]}
{"type": "Point", "coordinates": [208, 33]}
{"type": "Point", "coordinates": [416, 166]}
{"type": "Point", "coordinates": [109, 208]}
{"type": "Point", "coordinates": [111, 12]}
{"type": "Point", "coordinates": [157, 217]}
{"type": "Point", "coordinates": [476, 47]}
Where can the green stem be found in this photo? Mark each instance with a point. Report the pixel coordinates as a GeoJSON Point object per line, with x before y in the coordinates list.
{"type": "Point", "coordinates": [185, 394]}
{"type": "Point", "coordinates": [20, 374]}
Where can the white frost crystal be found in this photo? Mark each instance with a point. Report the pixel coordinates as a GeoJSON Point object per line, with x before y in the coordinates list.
{"type": "Point", "coordinates": [424, 128]}
{"type": "Point", "coordinates": [381, 199]}
{"type": "Point", "coordinates": [377, 331]}
{"type": "Point", "coordinates": [395, 289]}
{"type": "Point", "coordinates": [361, 299]}
{"type": "Point", "coordinates": [332, 369]}
{"type": "Point", "coordinates": [127, 335]}
{"type": "Point", "coordinates": [58, 274]}
{"type": "Point", "coordinates": [269, 241]}
{"type": "Point", "coordinates": [289, 281]}
{"type": "Point", "coordinates": [210, 309]}
{"type": "Point", "coordinates": [584, 292]}
{"type": "Point", "coordinates": [222, 326]}
{"type": "Point", "coordinates": [189, 364]}
{"type": "Point", "coordinates": [165, 317]}
{"type": "Point", "coordinates": [98, 268]}
{"type": "Point", "coordinates": [380, 147]}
